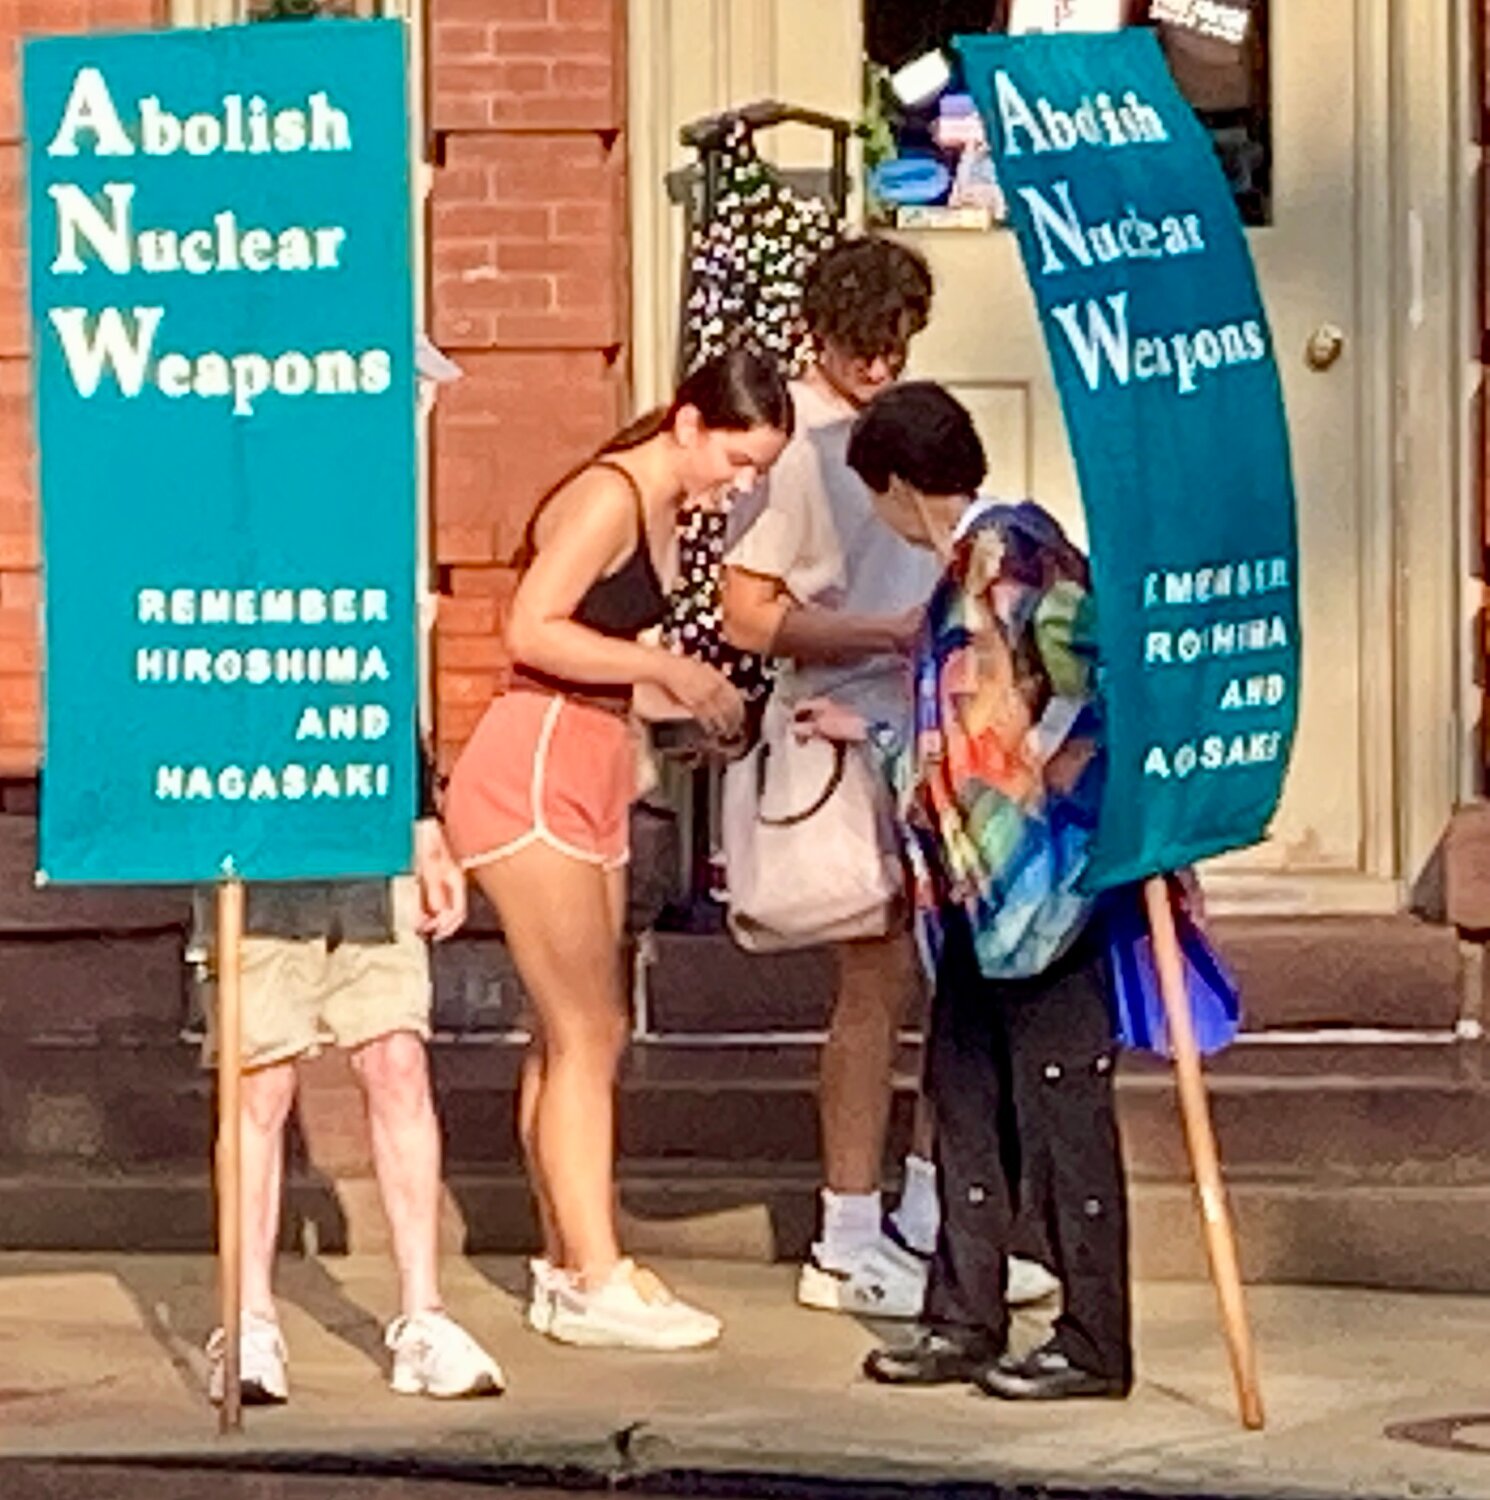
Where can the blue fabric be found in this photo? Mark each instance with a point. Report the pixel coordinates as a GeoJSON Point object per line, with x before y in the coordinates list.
{"type": "Point", "coordinates": [1168, 379]}
{"type": "Point", "coordinates": [1139, 1020]}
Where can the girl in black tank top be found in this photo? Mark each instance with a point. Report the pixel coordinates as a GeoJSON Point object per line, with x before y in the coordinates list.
{"type": "Point", "coordinates": [619, 605]}
{"type": "Point", "coordinates": [631, 599]}
{"type": "Point", "coordinates": [537, 810]}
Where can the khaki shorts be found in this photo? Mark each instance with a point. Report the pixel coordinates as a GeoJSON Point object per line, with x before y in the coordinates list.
{"type": "Point", "coordinates": [299, 996]}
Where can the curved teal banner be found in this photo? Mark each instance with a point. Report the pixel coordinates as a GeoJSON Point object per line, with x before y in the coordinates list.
{"type": "Point", "coordinates": [1165, 367]}
{"type": "Point", "coordinates": [224, 344]}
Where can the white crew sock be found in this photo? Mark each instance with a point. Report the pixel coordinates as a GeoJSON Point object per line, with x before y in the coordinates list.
{"type": "Point", "coordinates": [851, 1223]}
{"type": "Point", "coordinates": [918, 1215]}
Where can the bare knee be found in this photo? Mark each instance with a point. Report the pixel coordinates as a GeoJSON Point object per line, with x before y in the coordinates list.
{"type": "Point", "coordinates": [595, 1039]}
{"type": "Point", "coordinates": [266, 1095]}
{"type": "Point", "coordinates": [394, 1074]}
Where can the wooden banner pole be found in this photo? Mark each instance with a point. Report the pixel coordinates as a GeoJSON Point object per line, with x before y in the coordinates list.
{"type": "Point", "coordinates": [230, 1146]}
{"type": "Point", "coordinates": [1195, 1110]}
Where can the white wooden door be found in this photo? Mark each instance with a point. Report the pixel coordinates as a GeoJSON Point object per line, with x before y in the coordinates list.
{"type": "Point", "coordinates": [1370, 204]}
{"type": "Point", "coordinates": [984, 342]}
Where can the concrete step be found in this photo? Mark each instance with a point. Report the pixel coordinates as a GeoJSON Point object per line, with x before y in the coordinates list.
{"type": "Point", "coordinates": [1378, 972]}
{"type": "Point", "coordinates": [87, 962]}
{"type": "Point", "coordinates": [26, 907]}
{"type": "Point", "coordinates": [1347, 1163]}
{"type": "Point", "coordinates": [82, 987]}
{"type": "Point", "coordinates": [1427, 1238]}
{"type": "Point", "coordinates": [1404, 1113]}
{"type": "Point", "coordinates": [1360, 972]}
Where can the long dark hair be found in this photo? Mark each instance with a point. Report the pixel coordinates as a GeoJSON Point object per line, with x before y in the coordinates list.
{"type": "Point", "coordinates": [733, 392]}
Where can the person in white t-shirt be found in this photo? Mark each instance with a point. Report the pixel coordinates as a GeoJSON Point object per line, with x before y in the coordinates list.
{"type": "Point", "coordinates": [815, 577]}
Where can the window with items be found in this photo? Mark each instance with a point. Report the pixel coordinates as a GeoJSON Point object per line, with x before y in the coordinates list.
{"type": "Point", "coordinates": [926, 154]}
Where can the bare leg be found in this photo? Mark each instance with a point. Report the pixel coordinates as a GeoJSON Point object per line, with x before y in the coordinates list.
{"type": "Point", "coordinates": [615, 902]}
{"type": "Point", "coordinates": [531, 1087]}
{"type": "Point", "coordinates": [875, 981]}
{"type": "Point", "coordinates": [530, 1090]}
{"type": "Point", "coordinates": [394, 1073]}
{"type": "Point", "coordinates": [558, 914]}
{"type": "Point", "coordinates": [267, 1096]}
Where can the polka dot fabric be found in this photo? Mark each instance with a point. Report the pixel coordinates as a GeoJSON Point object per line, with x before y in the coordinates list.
{"type": "Point", "coordinates": [747, 262]}
{"type": "Point", "coordinates": [695, 620]}
{"type": "Point", "coordinates": [745, 276]}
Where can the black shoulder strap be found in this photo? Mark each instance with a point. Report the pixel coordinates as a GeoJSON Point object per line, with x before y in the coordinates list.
{"type": "Point", "coordinates": [636, 489]}
{"type": "Point", "coordinates": [529, 543]}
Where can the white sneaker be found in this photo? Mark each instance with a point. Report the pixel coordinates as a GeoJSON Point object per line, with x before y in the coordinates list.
{"type": "Point", "coordinates": [434, 1356]}
{"type": "Point", "coordinates": [631, 1309]}
{"type": "Point", "coordinates": [546, 1279]}
{"type": "Point", "coordinates": [261, 1363]}
{"type": "Point", "coordinates": [881, 1281]}
{"type": "Point", "coordinates": [1029, 1282]}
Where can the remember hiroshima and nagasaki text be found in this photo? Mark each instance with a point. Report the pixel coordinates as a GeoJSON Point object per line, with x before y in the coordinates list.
{"type": "Point", "coordinates": [109, 230]}
{"type": "Point", "coordinates": [1250, 630]}
{"type": "Point", "coordinates": [218, 653]}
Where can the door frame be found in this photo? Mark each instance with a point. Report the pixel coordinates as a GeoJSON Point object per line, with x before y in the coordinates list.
{"type": "Point", "coordinates": [1432, 390]}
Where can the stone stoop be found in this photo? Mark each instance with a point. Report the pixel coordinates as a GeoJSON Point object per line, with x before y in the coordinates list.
{"type": "Point", "coordinates": [1338, 1173]}
{"type": "Point", "coordinates": [1354, 1117]}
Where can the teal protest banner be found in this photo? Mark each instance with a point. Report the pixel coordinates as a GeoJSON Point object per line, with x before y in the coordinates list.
{"type": "Point", "coordinates": [224, 346]}
{"type": "Point", "coordinates": [1165, 368]}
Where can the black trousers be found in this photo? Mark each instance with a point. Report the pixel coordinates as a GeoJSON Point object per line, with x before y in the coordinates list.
{"type": "Point", "coordinates": [1020, 1077]}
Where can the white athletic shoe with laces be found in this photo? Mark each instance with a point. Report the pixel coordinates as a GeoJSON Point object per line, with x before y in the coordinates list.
{"type": "Point", "coordinates": [630, 1309]}
{"type": "Point", "coordinates": [887, 1280]}
{"type": "Point", "coordinates": [261, 1363]}
{"type": "Point", "coordinates": [880, 1281]}
{"type": "Point", "coordinates": [544, 1281]}
{"type": "Point", "coordinates": [434, 1356]}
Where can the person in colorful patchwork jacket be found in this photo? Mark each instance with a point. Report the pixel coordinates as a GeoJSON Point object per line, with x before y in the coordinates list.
{"type": "Point", "coordinates": [997, 791]}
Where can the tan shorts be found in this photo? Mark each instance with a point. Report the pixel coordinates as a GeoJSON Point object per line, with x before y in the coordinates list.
{"type": "Point", "coordinates": [299, 997]}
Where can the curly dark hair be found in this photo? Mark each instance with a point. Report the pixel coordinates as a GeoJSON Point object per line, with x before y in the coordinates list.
{"type": "Point", "coordinates": [868, 296]}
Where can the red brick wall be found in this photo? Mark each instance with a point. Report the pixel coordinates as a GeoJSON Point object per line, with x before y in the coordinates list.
{"type": "Point", "coordinates": [527, 280]}
{"type": "Point", "coordinates": [528, 277]}
{"type": "Point", "coordinates": [19, 692]}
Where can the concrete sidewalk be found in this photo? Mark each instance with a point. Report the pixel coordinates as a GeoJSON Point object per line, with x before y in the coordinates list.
{"type": "Point", "coordinates": [1367, 1393]}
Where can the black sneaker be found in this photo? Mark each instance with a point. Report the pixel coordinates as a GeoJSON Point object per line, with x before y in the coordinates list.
{"type": "Point", "coordinates": [1045, 1374]}
{"type": "Point", "coordinates": [932, 1358]}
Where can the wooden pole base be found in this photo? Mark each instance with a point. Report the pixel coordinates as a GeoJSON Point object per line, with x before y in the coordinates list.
{"type": "Point", "coordinates": [230, 1147]}
{"type": "Point", "coordinates": [1210, 1190]}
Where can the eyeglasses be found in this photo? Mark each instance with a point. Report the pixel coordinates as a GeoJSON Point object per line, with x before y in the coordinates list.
{"type": "Point", "coordinates": [894, 359]}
